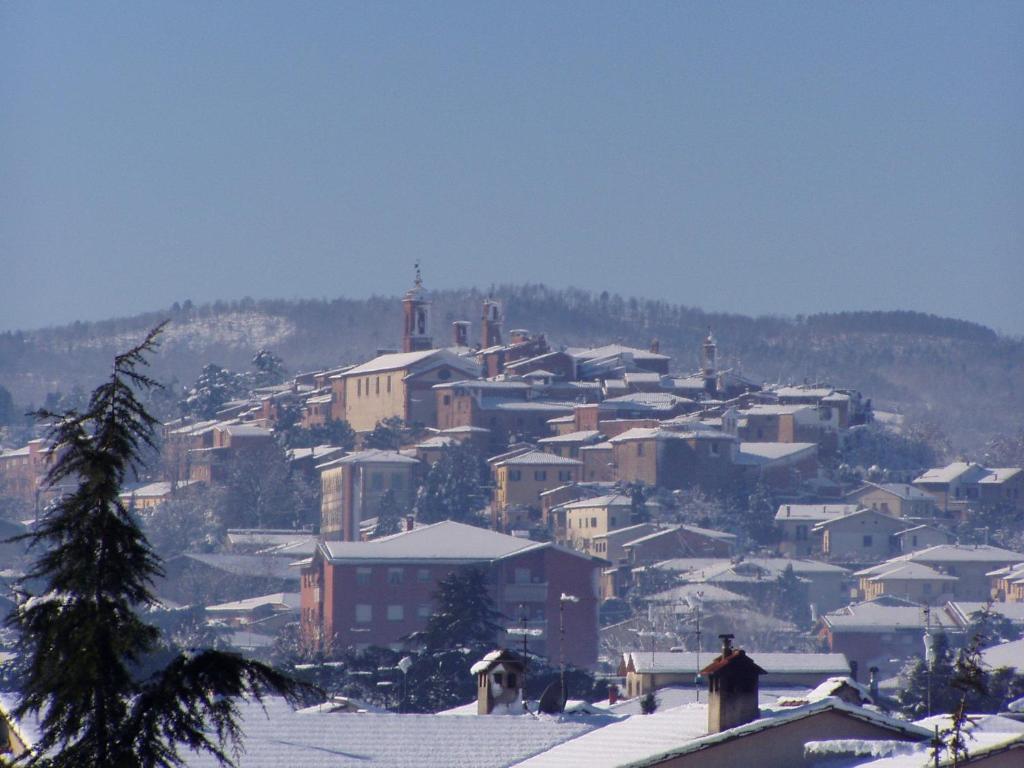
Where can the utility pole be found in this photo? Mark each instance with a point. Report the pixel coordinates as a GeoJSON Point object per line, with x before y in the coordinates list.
{"type": "Point", "coordinates": [929, 658]}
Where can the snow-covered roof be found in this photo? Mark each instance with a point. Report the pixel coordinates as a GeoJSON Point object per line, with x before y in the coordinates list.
{"type": "Point", "coordinates": [707, 532]}
{"type": "Point", "coordinates": [1005, 655]}
{"type": "Point", "coordinates": [538, 458]}
{"type": "Point", "coordinates": [946, 474]}
{"type": "Point", "coordinates": [884, 614]}
{"type": "Point", "coordinates": [814, 512]}
{"type": "Point", "coordinates": [912, 572]}
{"type": "Point", "coordinates": [900, 490]}
{"type": "Point", "coordinates": [420, 360]}
{"type": "Point", "coordinates": [447, 541]}
{"type": "Point", "coordinates": [370, 456]}
{"type": "Point", "coordinates": [770, 409]}
{"type": "Point", "coordinates": [599, 502]}
{"type": "Point", "coordinates": [282, 737]}
{"type": "Point", "coordinates": [686, 662]}
{"type": "Point", "coordinates": [249, 566]}
{"type": "Point", "coordinates": [611, 350]}
{"type": "Point", "coordinates": [586, 435]}
{"type": "Point", "coordinates": [156, 490]}
{"type": "Point", "coordinates": [284, 601]}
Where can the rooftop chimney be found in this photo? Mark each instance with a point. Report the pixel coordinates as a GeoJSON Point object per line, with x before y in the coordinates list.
{"type": "Point", "coordinates": [499, 683]}
{"type": "Point", "coordinates": [410, 522]}
{"type": "Point", "coordinates": [460, 333]}
{"type": "Point", "coordinates": [732, 688]}
{"type": "Point", "coordinates": [655, 346]}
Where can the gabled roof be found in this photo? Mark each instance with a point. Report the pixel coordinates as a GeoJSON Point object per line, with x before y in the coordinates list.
{"type": "Point", "coordinates": [696, 530]}
{"type": "Point", "coordinates": [894, 522]}
{"type": "Point", "coordinates": [900, 490]}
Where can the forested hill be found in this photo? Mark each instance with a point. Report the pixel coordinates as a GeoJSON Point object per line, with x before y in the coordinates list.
{"type": "Point", "coordinates": [965, 375]}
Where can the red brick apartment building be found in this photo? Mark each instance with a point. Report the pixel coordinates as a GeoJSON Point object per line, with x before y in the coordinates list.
{"type": "Point", "coordinates": [377, 592]}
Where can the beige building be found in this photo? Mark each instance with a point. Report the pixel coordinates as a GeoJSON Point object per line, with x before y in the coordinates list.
{"type": "Point", "coordinates": [397, 385]}
{"type": "Point", "coordinates": [796, 525]}
{"type": "Point", "coordinates": [520, 479]}
{"type": "Point", "coordinates": [896, 499]}
{"type": "Point", "coordinates": [860, 537]}
{"type": "Point", "coordinates": [911, 581]}
{"type": "Point", "coordinates": [589, 518]}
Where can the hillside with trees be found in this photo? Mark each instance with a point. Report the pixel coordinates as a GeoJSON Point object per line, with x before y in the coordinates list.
{"type": "Point", "coordinates": [935, 370]}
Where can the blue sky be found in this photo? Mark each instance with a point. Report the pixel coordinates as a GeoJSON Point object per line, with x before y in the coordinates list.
{"type": "Point", "coordinates": [754, 157]}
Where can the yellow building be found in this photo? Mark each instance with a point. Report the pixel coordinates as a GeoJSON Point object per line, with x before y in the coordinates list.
{"type": "Point", "coordinates": [398, 385]}
{"type": "Point", "coordinates": [519, 480]}
{"type": "Point", "coordinates": [351, 489]}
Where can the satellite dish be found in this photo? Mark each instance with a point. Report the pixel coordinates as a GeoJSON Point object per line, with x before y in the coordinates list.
{"type": "Point", "coordinates": [552, 701]}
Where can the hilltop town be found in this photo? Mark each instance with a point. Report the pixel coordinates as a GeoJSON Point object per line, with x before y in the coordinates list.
{"type": "Point", "coordinates": [762, 560]}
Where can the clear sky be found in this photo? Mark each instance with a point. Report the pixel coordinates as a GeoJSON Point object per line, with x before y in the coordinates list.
{"type": "Point", "coordinates": [755, 157]}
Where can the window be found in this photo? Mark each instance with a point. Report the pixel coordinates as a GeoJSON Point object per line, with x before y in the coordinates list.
{"type": "Point", "coordinates": [522, 575]}
{"type": "Point", "coordinates": [389, 384]}
{"type": "Point", "coordinates": [639, 449]}
{"type": "Point", "coordinates": [359, 387]}
{"type": "Point", "coordinates": [377, 481]}
{"type": "Point", "coordinates": [510, 680]}
{"type": "Point", "coordinates": [593, 522]}
{"type": "Point", "coordinates": [396, 482]}
{"type": "Point", "coordinates": [424, 611]}
{"type": "Point", "coordinates": [565, 475]}
{"type": "Point", "coordinates": [396, 575]}
{"type": "Point", "coordinates": [540, 475]}
{"type": "Point", "coordinates": [927, 588]}
{"type": "Point", "coordinates": [423, 575]}
{"type": "Point", "coordinates": [713, 448]}
{"type": "Point", "coordinates": [363, 575]}
{"type": "Point", "coordinates": [377, 385]}
{"type": "Point", "coordinates": [868, 540]}
{"type": "Point", "coordinates": [612, 523]}
{"type": "Point", "coordinates": [801, 533]}
{"type": "Point", "coordinates": [514, 475]}
{"type": "Point", "coordinates": [396, 613]}
{"type": "Point", "coordinates": [447, 399]}
{"type": "Point", "coordinates": [364, 613]}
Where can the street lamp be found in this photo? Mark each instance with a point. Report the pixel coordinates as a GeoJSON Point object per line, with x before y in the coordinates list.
{"type": "Point", "coordinates": [565, 598]}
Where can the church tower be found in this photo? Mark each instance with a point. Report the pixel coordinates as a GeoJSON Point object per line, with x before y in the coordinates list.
{"type": "Point", "coordinates": [416, 317]}
{"type": "Point", "coordinates": [708, 364]}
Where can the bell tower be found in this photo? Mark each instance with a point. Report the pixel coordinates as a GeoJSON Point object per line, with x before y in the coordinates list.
{"type": "Point", "coordinates": [708, 363]}
{"type": "Point", "coordinates": [416, 317]}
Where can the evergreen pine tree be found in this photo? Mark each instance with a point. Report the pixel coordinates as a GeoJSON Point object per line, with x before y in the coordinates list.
{"type": "Point", "coordinates": [389, 515]}
{"type": "Point", "coordinates": [82, 639]}
{"type": "Point", "coordinates": [269, 369]}
{"type": "Point", "coordinates": [791, 601]}
{"type": "Point", "coordinates": [464, 614]}
{"type": "Point", "coordinates": [453, 487]}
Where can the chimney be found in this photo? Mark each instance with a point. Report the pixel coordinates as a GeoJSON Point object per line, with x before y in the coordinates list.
{"type": "Point", "coordinates": [854, 666]}
{"type": "Point", "coordinates": [460, 333]}
{"type": "Point", "coordinates": [499, 683]}
{"type": "Point", "coordinates": [655, 346]}
{"type": "Point", "coordinates": [732, 688]}
{"type": "Point", "coordinates": [873, 684]}
{"type": "Point", "coordinates": [409, 522]}
{"type": "Point", "coordinates": [490, 326]}
{"type": "Point", "coordinates": [613, 693]}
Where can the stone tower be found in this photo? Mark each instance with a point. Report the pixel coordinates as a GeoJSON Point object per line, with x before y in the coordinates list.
{"type": "Point", "coordinates": [416, 317]}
